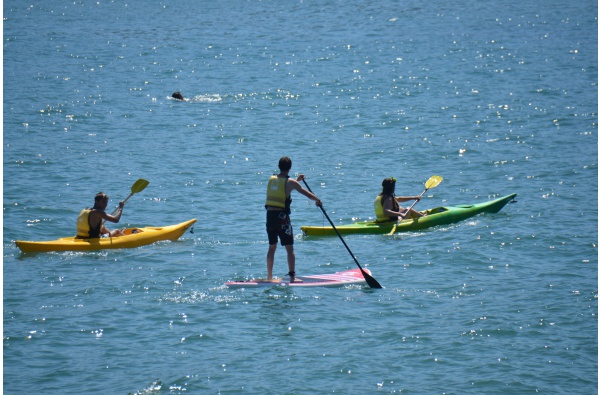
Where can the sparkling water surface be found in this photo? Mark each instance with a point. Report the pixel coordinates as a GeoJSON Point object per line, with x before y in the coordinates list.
{"type": "Point", "coordinates": [496, 98]}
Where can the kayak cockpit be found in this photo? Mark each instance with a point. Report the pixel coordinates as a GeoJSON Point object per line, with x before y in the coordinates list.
{"type": "Point", "coordinates": [128, 232]}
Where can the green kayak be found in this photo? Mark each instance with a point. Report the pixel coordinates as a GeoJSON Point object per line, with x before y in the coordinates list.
{"type": "Point", "coordinates": [436, 216]}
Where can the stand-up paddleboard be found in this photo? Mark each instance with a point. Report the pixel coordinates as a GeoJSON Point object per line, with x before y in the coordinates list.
{"type": "Point", "coordinates": [338, 279]}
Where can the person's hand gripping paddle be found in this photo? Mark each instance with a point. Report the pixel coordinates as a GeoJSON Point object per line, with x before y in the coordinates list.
{"type": "Point", "coordinates": [137, 187]}
{"type": "Point", "coordinates": [433, 182]}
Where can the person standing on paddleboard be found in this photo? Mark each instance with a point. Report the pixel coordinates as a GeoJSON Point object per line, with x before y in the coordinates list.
{"type": "Point", "coordinates": [386, 203]}
{"type": "Point", "coordinates": [279, 225]}
{"type": "Point", "coordinates": [90, 221]}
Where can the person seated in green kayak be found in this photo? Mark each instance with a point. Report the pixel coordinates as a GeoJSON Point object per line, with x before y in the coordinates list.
{"type": "Point", "coordinates": [387, 207]}
{"type": "Point", "coordinates": [90, 223]}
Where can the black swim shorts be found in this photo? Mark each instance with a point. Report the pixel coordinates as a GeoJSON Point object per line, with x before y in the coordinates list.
{"type": "Point", "coordinates": [279, 227]}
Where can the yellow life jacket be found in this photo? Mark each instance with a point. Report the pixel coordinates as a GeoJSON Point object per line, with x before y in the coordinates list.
{"type": "Point", "coordinates": [378, 204]}
{"type": "Point", "coordinates": [276, 196]}
{"type": "Point", "coordinates": [84, 230]}
{"type": "Point", "coordinates": [83, 223]}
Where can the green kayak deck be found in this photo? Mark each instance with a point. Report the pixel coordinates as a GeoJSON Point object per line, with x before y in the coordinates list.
{"type": "Point", "coordinates": [436, 216]}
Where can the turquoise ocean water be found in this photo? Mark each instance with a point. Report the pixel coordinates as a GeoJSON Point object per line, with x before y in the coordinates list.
{"type": "Point", "coordinates": [495, 97]}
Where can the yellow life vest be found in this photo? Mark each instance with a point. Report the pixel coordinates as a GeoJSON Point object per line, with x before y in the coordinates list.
{"type": "Point", "coordinates": [84, 230]}
{"type": "Point", "coordinates": [378, 204]}
{"type": "Point", "coordinates": [83, 223]}
{"type": "Point", "coordinates": [276, 196]}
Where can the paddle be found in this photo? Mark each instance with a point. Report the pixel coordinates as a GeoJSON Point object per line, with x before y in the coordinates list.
{"type": "Point", "coordinates": [137, 187]}
{"type": "Point", "coordinates": [433, 182]}
{"type": "Point", "coordinates": [368, 278]}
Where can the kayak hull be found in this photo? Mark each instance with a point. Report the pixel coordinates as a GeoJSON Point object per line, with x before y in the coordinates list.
{"type": "Point", "coordinates": [444, 215]}
{"type": "Point", "coordinates": [339, 279]}
{"type": "Point", "coordinates": [134, 237]}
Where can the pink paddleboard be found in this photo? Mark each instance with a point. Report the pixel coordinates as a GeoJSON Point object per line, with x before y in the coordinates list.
{"type": "Point", "coordinates": [338, 279]}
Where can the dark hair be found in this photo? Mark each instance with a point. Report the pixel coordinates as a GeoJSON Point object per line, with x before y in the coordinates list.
{"type": "Point", "coordinates": [100, 196]}
{"type": "Point", "coordinates": [285, 164]}
{"type": "Point", "coordinates": [177, 95]}
{"type": "Point", "coordinates": [389, 185]}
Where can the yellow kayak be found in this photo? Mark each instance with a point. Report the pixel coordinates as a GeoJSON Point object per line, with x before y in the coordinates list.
{"type": "Point", "coordinates": [134, 237]}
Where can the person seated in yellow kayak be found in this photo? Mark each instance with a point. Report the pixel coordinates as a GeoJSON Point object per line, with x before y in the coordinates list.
{"type": "Point", "coordinates": [90, 223]}
{"type": "Point", "coordinates": [386, 204]}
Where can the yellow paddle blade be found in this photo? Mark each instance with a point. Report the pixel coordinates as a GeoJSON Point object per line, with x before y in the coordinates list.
{"type": "Point", "coordinates": [139, 186]}
{"type": "Point", "coordinates": [393, 230]}
{"type": "Point", "coordinates": [433, 182]}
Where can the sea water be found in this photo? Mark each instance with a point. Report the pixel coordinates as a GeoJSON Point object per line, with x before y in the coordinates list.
{"type": "Point", "coordinates": [495, 97]}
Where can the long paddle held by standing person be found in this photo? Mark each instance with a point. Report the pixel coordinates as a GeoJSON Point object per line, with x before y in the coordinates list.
{"type": "Point", "coordinates": [433, 182]}
{"type": "Point", "coordinates": [368, 278]}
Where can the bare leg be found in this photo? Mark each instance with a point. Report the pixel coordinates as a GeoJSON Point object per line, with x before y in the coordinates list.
{"type": "Point", "coordinates": [271, 260]}
{"type": "Point", "coordinates": [291, 257]}
{"type": "Point", "coordinates": [413, 213]}
{"type": "Point", "coordinates": [116, 232]}
{"type": "Point", "coordinates": [416, 214]}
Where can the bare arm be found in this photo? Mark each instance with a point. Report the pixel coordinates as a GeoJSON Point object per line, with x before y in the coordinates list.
{"type": "Point", "coordinates": [295, 186]}
{"type": "Point", "coordinates": [407, 198]}
{"type": "Point", "coordinates": [405, 213]}
{"type": "Point", "coordinates": [387, 209]}
{"type": "Point", "coordinates": [113, 218]}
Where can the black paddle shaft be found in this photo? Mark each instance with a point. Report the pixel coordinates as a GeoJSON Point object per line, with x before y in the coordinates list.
{"type": "Point", "coordinates": [368, 278]}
